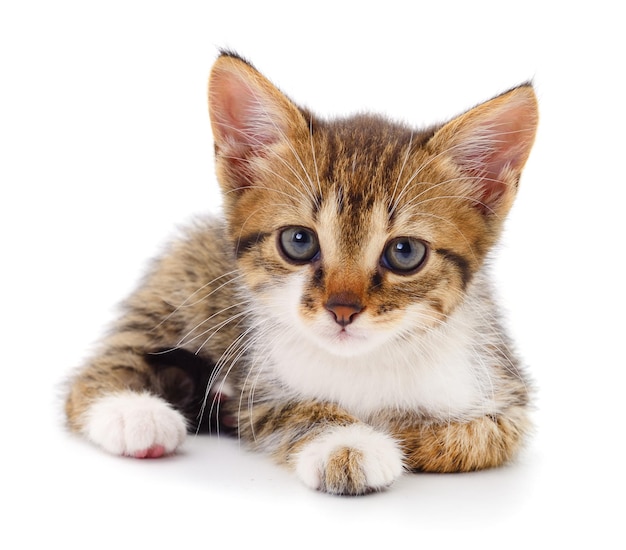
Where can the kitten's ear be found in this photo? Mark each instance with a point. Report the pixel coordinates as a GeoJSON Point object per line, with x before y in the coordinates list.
{"type": "Point", "coordinates": [249, 118]}
{"type": "Point", "coordinates": [491, 143]}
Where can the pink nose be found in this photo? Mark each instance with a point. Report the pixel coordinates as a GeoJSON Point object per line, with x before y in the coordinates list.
{"type": "Point", "coordinates": [344, 311]}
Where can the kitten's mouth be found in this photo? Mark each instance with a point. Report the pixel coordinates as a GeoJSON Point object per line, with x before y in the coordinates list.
{"type": "Point", "coordinates": [345, 341]}
{"type": "Point", "coordinates": [349, 342]}
{"type": "Point", "coordinates": [343, 335]}
{"type": "Point", "coordinates": [346, 336]}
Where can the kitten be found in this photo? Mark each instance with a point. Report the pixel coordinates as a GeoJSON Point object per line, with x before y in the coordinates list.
{"type": "Point", "coordinates": [340, 316]}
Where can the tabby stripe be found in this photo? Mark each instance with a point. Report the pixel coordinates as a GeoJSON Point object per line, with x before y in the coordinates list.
{"type": "Point", "coordinates": [246, 242]}
{"type": "Point", "coordinates": [459, 261]}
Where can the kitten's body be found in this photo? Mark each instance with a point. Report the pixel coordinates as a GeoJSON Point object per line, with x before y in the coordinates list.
{"type": "Point", "coordinates": [341, 313]}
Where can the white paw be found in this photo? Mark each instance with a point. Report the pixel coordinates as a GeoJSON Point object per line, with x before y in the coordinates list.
{"type": "Point", "coordinates": [134, 424]}
{"type": "Point", "coordinates": [353, 459]}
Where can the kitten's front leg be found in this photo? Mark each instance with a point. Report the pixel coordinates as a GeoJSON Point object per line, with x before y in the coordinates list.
{"type": "Point", "coordinates": [352, 459]}
{"type": "Point", "coordinates": [329, 450]}
{"type": "Point", "coordinates": [118, 401]}
{"type": "Point", "coordinates": [115, 402]}
{"type": "Point", "coordinates": [484, 442]}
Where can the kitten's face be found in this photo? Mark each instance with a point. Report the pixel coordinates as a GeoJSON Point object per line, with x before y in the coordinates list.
{"type": "Point", "coordinates": [355, 232]}
{"type": "Point", "coordinates": [356, 249]}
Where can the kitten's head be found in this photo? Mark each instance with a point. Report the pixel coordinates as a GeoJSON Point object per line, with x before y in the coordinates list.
{"type": "Point", "coordinates": [356, 231]}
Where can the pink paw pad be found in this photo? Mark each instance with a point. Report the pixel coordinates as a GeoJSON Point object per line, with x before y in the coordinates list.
{"type": "Point", "coordinates": [155, 451]}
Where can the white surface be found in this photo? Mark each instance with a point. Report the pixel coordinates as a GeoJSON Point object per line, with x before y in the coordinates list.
{"type": "Point", "coordinates": [105, 147]}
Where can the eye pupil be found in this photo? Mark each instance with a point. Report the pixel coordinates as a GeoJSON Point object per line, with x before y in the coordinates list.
{"type": "Point", "coordinates": [404, 255]}
{"type": "Point", "coordinates": [298, 244]}
{"type": "Point", "coordinates": [403, 248]}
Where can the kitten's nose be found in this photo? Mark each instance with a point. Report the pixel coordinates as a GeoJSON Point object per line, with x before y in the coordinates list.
{"type": "Point", "coordinates": [344, 307]}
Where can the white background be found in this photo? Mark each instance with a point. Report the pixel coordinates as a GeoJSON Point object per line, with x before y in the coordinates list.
{"type": "Point", "coordinates": [105, 148]}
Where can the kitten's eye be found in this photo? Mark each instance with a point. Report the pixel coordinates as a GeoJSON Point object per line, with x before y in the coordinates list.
{"type": "Point", "coordinates": [298, 244]}
{"type": "Point", "coordinates": [404, 255]}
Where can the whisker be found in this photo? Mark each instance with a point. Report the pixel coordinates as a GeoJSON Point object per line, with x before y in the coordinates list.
{"type": "Point", "coordinates": [317, 174]}
{"type": "Point", "coordinates": [404, 162]}
{"type": "Point", "coordinates": [227, 358]}
{"type": "Point", "coordinates": [214, 329]}
{"type": "Point", "coordinates": [186, 300]}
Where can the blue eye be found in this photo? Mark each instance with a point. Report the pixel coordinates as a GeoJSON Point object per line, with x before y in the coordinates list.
{"type": "Point", "coordinates": [298, 244]}
{"type": "Point", "coordinates": [404, 255]}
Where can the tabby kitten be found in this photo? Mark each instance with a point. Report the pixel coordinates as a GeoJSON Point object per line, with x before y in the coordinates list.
{"type": "Point", "coordinates": [340, 316]}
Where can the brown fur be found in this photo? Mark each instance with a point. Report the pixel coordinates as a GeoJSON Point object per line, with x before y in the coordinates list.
{"type": "Point", "coordinates": [187, 325]}
{"type": "Point", "coordinates": [486, 442]}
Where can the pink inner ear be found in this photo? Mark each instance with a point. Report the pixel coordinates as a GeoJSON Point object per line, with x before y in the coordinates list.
{"type": "Point", "coordinates": [250, 119]}
{"type": "Point", "coordinates": [508, 142]}
{"type": "Point", "coordinates": [241, 112]}
{"type": "Point", "coordinates": [493, 145]}
{"type": "Point", "coordinates": [491, 165]}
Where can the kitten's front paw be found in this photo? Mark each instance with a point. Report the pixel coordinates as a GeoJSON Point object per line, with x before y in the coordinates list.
{"type": "Point", "coordinates": [350, 460]}
{"type": "Point", "coordinates": [134, 424]}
